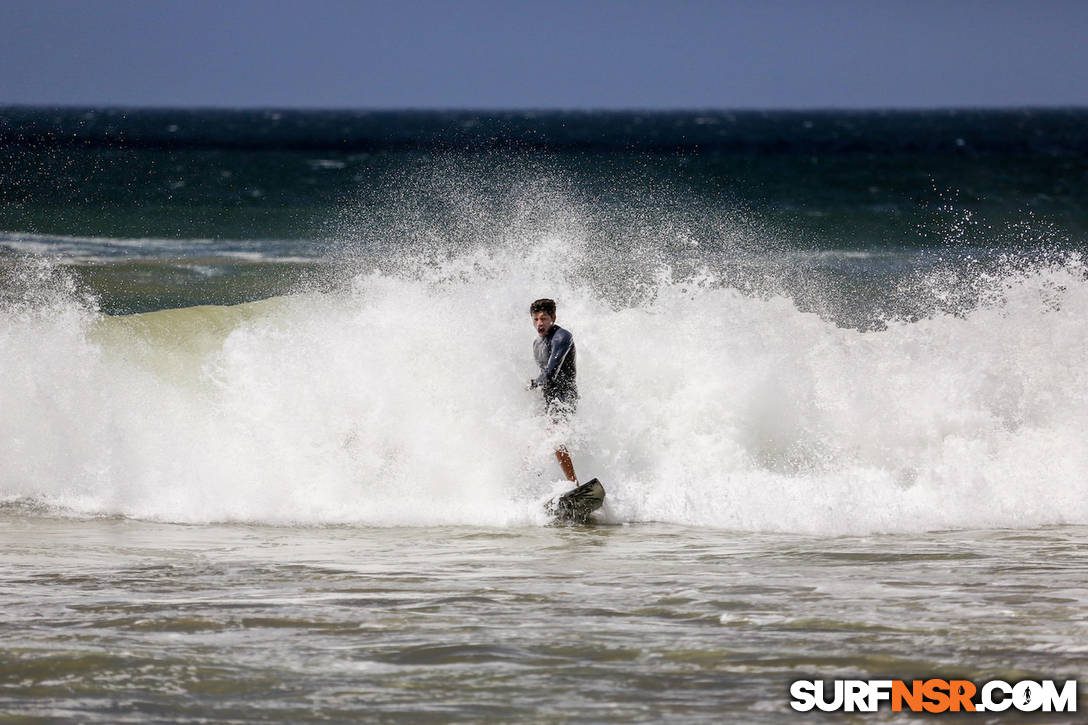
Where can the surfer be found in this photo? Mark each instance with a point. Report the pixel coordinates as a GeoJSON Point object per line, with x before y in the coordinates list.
{"type": "Point", "coordinates": [554, 353]}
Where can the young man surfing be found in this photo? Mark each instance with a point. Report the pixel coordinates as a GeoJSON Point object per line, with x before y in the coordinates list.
{"type": "Point", "coordinates": [554, 353]}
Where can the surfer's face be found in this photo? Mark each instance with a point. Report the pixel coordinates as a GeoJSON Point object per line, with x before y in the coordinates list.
{"type": "Point", "coordinates": [543, 322]}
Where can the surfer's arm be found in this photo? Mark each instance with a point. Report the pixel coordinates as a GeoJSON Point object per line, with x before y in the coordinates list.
{"type": "Point", "coordinates": [562, 342]}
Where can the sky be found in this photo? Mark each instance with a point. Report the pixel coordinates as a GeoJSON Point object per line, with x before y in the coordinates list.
{"type": "Point", "coordinates": [545, 54]}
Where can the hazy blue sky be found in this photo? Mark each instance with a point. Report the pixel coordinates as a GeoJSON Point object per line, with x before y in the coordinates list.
{"type": "Point", "coordinates": [546, 54]}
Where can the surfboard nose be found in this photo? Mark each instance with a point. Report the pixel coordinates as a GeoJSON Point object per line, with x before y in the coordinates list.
{"type": "Point", "coordinates": [577, 505]}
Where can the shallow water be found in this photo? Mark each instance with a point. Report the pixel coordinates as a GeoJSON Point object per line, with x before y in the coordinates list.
{"type": "Point", "coordinates": [115, 620]}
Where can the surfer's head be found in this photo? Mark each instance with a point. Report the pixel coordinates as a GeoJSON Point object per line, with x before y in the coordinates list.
{"type": "Point", "coordinates": [543, 312]}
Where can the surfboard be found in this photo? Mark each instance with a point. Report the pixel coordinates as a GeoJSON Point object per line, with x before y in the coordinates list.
{"type": "Point", "coordinates": [575, 507]}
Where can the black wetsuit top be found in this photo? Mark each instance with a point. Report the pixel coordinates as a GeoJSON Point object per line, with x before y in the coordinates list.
{"type": "Point", "coordinates": [554, 354]}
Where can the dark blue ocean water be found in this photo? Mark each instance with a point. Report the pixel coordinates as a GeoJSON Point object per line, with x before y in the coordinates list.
{"type": "Point", "coordinates": [169, 208]}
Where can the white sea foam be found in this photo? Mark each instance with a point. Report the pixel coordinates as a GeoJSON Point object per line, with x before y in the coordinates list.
{"type": "Point", "coordinates": [401, 401]}
{"type": "Point", "coordinates": [82, 249]}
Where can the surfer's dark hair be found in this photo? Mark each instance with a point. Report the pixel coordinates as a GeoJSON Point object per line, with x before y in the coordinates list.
{"type": "Point", "coordinates": [543, 305]}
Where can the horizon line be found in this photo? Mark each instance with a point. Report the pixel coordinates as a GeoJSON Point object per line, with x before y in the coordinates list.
{"type": "Point", "coordinates": [547, 109]}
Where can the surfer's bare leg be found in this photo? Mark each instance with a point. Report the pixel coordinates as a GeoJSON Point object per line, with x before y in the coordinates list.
{"type": "Point", "coordinates": [565, 463]}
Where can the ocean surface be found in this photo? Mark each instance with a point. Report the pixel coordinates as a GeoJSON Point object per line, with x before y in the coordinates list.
{"type": "Point", "coordinates": [266, 452]}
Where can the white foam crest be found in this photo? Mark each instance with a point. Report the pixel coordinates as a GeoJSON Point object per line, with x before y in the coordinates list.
{"type": "Point", "coordinates": [401, 402]}
{"type": "Point", "coordinates": [778, 420]}
{"type": "Point", "coordinates": [83, 249]}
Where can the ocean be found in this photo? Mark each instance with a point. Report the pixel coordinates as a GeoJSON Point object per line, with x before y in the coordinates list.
{"type": "Point", "coordinates": [266, 451]}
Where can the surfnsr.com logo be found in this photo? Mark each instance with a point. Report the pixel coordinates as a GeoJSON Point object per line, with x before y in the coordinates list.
{"type": "Point", "coordinates": [933, 695]}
